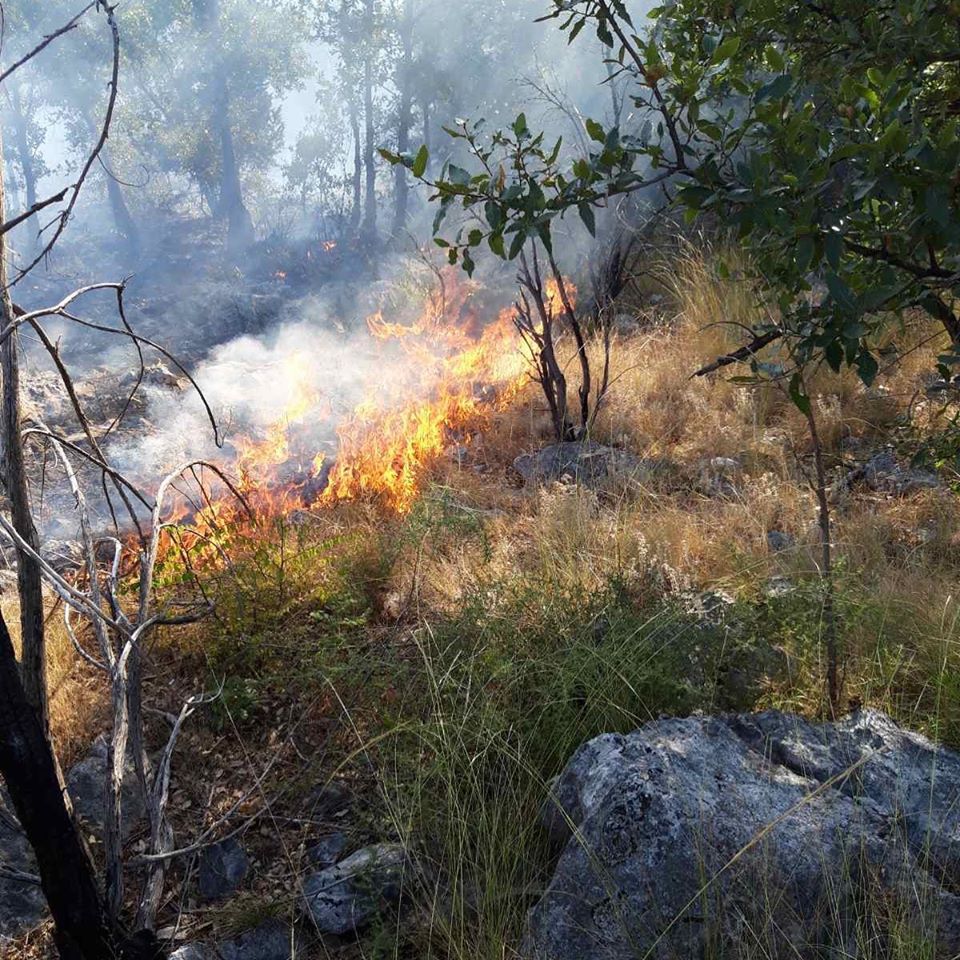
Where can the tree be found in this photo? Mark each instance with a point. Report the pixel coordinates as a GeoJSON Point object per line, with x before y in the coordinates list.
{"type": "Point", "coordinates": [825, 135]}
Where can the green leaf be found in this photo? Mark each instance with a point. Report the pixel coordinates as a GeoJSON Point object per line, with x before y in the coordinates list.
{"type": "Point", "coordinates": [726, 50]}
{"type": "Point", "coordinates": [867, 367]}
{"type": "Point", "coordinates": [419, 167]}
{"type": "Point", "coordinates": [596, 131]}
{"type": "Point", "coordinates": [588, 217]}
{"type": "Point", "coordinates": [797, 394]}
{"type": "Point", "coordinates": [475, 238]}
{"type": "Point", "coordinates": [517, 245]}
{"type": "Point", "coordinates": [495, 242]}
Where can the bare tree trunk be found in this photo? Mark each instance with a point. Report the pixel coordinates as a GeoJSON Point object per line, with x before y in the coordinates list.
{"type": "Point", "coordinates": [25, 160]}
{"type": "Point", "coordinates": [401, 183]}
{"type": "Point", "coordinates": [66, 871]}
{"type": "Point", "coordinates": [826, 565]}
{"type": "Point", "coordinates": [357, 167]}
{"type": "Point", "coordinates": [16, 488]}
{"type": "Point", "coordinates": [369, 148]}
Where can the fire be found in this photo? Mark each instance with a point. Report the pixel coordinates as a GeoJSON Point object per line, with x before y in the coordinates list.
{"type": "Point", "coordinates": [457, 371]}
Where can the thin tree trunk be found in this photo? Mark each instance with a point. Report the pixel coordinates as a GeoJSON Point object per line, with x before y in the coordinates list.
{"type": "Point", "coordinates": [401, 183]}
{"type": "Point", "coordinates": [826, 566]}
{"type": "Point", "coordinates": [355, 211]}
{"type": "Point", "coordinates": [15, 484]}
{"type": "Point", "coordinates": [369, 149]}
{"type": "Point", "coordinates": [122, 218]}
{"type": "Point", "coordinates": [25, 161]}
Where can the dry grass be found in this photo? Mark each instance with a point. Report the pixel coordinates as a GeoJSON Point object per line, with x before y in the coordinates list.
{"type": "Point", "coordinates": [76, 694]}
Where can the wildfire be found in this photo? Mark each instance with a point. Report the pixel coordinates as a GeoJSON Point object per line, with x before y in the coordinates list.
{"type": "Point", "coordinates": [458, 370]}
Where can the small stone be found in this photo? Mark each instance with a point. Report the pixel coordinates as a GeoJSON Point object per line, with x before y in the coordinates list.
{"type": "Point", "coordinates": [346, 897]}
{"type": "Point", "coordinates": [778, 541]}
{"type": "Point", "coordinates": [328, 850]}
{"type": "Point", "coordinates": [777, 587]}
{"type": "Point", "coordinates": [194, 951]}
{"type": "Point", "coordinates": [223, 867]}
{"type": "Point", "coordinates": [271, 940]}
{"type": "Point", "coordinates": [327, 799]}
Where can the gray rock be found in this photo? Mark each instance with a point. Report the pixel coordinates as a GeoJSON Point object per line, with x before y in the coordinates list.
{"type": "Point", "coordinates": [779, 540]}
{"type": "Point", "coordinates": [328, 799]}
{"type": "Point", "coordinates": [883, 473]}
{"type": "Point", "coordinates": [581, 461]}
{"type": "Point", "coordinates": [271, 940]}
{"type": "Point", "coordinates": [22, 904]}
{"type": "Point", "coordinates": [694, 834]}
{"type": "Point", "coordinates": [719, 475]}
{"type": "Point", "coordinates": [87, 784]}
{"type": "Point", "coordinates": [346, 897]}
{"type": "Point", "coordinates": [194, 951]}
{"type": "Point", "coordinates": [711, 607]}
{"type": "Point", "coordinates": [223, 867]}
{"type": "Point", "coordinates": [777, 587]}
{"type": "Point", "coordinates": [328, 850]}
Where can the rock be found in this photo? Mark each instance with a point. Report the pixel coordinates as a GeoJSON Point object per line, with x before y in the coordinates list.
{"type": "Point", "coordinates": [271, 940]}
{"type": "Point", "coordinates": [346, 897]}
{"type": "Point", "coordinates": [820, 818]}
{"type": "Point", "coordinates": [194, 951]}
{"type": "Point", "coordinates": [223, 867]}
{"type": "Point", "coordinates": [328, 799]}
{"type": "Point", "coordinates": [882, 473]}
{"type": "Point", "coordinates": [87, 785]}
{"type": "Point", "coordinates": [22, 904]}
{"type": "Point", "coordinates": [718, 475]}
{"type": "Point", "coordinates": [778, 541]}
{"type": "Point", "coordinates": [328, 850]}
{"type": "Point", "coordinates": [777, 587]}
{"type": "Point", "coordinates": [710, 607]}
{"type": "Point", "coordinates": [581, 461]}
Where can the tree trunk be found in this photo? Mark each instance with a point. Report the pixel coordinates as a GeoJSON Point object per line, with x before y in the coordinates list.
{"type": "Point", "coordinates": [826, 567]}
{"type": "Point", "coordinates": [66, 871]}
{"type": "Point", "coordinates": [231, 206]}
{"type": "Point", "coordinates": [15, 483]}
{"type": "Point", "coordinates": [355, 211]}
{"type": "Point", "coordinates": [401, 183]}
{"type": "Point", "coordinates": [122, 218]}
{"type": "Point", "coordinates": [25, 161]}
{"type": "Point", "coordinates": [369, 150]}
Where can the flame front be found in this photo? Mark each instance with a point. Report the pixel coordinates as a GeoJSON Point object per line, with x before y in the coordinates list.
{"type": "Point", "coordinates": [458, 370]}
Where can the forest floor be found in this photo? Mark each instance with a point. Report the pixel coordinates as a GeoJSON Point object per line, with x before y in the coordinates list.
{"type": "Point", "coordinates": [440, 667]}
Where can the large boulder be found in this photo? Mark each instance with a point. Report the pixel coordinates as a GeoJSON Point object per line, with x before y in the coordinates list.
{"type": "Point", "coordinates": [751, 835]}
{"type": "Point", "coordinates": [346, 897]}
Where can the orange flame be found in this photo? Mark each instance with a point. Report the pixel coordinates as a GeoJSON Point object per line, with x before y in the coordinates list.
{"type": "Point", "coordinates": [458, 372]}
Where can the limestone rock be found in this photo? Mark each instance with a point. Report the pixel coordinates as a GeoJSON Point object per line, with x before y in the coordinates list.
{"type": "Point", "coordinates": [695, 834]}
{"type": "Point", "coordinates": [346, 897]}
{"type": "Point", "coordinates": [581, 461]}
{"type": "Point", "coordinates": [223, 867]}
